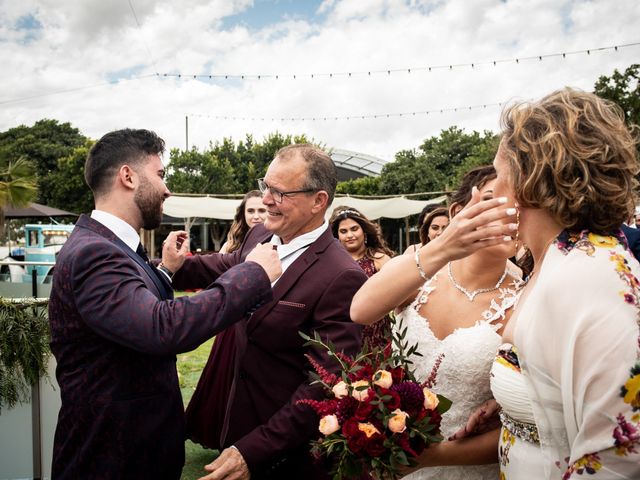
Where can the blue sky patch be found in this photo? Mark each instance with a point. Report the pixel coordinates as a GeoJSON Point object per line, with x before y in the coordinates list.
{"type": "Point", "coordinates": [267, 12]}
{"type": "Point", "coordinates": [30, 26]}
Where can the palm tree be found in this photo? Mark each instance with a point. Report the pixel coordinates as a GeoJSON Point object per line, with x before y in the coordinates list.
{"type": "Point", "coordinates": [18, 186]}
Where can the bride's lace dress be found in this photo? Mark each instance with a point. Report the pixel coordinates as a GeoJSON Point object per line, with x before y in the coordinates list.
{"type": "Point", "coordinates": [463, 376]}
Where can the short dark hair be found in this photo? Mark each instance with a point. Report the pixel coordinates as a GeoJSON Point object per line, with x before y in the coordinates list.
{"type": "Point", "coordinates": [117, 148]}
{"type": "Point", "coordinates": [321, 171]}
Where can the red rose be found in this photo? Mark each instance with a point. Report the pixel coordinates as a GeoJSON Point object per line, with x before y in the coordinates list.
{"type": "Point", "coordinates": [350, 428]}
{"type": "Point", "coordinates": [397, 374]}
{"type": "Point", "coordinates": [404, 444]}
{"type": "Point", "coordinates": [365, 373]}
{"type": "Point", "coordinates": [395, 400]}
{"type": "Point", "coordinates": [375, 445]}
{"type": "Point", "coordinates": [364, 409]}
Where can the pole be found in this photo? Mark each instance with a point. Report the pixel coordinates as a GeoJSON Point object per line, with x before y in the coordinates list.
{"type": "Point", "coordinates": [186, 132]}
{"type": "Point", "coordinates": [36, 434]}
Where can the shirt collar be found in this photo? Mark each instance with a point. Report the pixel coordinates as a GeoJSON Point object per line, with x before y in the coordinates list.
{"type": "Point", "coordinates": [302, 240]}
{"type": "Point", "coordinates": [122, 229]}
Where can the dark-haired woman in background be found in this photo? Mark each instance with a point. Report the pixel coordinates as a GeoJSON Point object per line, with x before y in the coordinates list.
{"type": "Point", "coordinates": [250, 212]}
{"type": "Point", "coordinates": [431, 225]}
{"type": "Point", "coordinates": [205, 416]}
{"type": "Point", "coordinates": [364, 241]}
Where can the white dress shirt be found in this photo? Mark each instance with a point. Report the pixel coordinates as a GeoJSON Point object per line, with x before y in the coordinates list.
{"type": "Point", "coordinates": [290, 252]}
{"type": "Point", "coordinates": [122, 229]}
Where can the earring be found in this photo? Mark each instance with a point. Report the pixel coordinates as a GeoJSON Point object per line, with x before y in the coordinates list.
{"type": "Point", "coordinates": [517, 238]}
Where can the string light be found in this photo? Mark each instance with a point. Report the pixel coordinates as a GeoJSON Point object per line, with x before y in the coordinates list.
{"type": "Point", "coordinates": [389, 71]}
{"type": "Point", "coordinates": [320, 118]}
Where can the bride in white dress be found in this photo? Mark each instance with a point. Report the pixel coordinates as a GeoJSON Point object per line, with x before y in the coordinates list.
{"type": "Point", "coordinates": [456, 320]}
{"type": "Point", "coordinates": [458, 317]}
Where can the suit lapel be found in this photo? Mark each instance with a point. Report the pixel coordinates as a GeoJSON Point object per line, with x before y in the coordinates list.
{"type": "Point", "coordinates": [290, 277]}
{"type": "Point", "coordinates": [165, 291]}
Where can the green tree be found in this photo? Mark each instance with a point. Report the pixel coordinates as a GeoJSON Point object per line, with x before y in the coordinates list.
{"type": "Point", "coordinates": [225, 167]}
{"type": "Point", "coordinates": [360, 186]}
{"type": "Point", "coordinates": [438, 162]}
{"type": "Point", "coordinates": [42, 144]}
{"type": "Point", "coordinates": [623, 89]}
{"type": "Point", "coordinates": [67, 185]}
{"type": "Point", "coordinates": [18, 186]}
{"type": "Point", "coordinates": [200, 172]}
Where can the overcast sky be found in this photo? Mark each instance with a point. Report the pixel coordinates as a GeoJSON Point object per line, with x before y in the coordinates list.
{"type": "Point", "coordinates": [101, 65]}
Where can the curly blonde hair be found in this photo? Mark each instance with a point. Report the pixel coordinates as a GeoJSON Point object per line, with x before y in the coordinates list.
{"type": "Point", "coordinates": [572, 154]}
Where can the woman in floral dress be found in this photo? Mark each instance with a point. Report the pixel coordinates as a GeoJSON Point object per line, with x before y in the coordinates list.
{"type": "Point", "coordinates": [568, 376]}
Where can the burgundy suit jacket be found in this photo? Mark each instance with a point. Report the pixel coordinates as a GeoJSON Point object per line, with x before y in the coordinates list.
{"type": "Point", "coordinates": [115, 342]}
{"type": "Point", "coordinates": [271, 373]}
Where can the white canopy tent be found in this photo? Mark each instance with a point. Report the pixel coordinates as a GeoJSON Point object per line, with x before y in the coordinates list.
{"type": "Point", "coordinates": [189, 207]}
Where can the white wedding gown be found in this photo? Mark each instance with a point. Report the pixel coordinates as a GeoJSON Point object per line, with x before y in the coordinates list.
{"type": "Point", "coordinates": [463, 376]}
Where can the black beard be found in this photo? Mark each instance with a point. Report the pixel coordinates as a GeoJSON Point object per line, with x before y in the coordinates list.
{"type": "Point", "coordinates": [150, 205]}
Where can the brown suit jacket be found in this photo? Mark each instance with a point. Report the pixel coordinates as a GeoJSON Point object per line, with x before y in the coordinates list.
{"type": "Point", "coordinates": [115, 342]}
{"type": "Point", "coordinates": [271, 373]}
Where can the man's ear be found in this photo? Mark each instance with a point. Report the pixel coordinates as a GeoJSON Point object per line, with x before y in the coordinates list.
{"type": "Point", "coordinates": [127, 177]}
{"type": "Point", "coordinates": [321, 201]}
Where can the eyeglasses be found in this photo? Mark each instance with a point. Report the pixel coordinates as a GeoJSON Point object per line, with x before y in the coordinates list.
{"type": "Point", "coordinates": [277, 194]}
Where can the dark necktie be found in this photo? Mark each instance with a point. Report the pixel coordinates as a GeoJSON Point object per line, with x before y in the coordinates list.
{"type": "Point", "coordinates": [168, 291]}
{"type": "Point", "coordinates": [142, 252]}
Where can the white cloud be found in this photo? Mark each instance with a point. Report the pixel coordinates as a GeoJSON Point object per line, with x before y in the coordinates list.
{"type": "Point", "coordinates": [83, 43]}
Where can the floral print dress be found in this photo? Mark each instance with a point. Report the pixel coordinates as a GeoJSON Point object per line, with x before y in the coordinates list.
{"type": "Point", "coordinates": [578, 345]}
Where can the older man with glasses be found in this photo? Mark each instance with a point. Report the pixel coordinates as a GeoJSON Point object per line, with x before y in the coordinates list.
{"type": "Point", "coordinates": [266, 433]}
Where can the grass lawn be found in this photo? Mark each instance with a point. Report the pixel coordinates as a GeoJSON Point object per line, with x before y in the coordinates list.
{"type": "Point", "coordinates": [190, 367]}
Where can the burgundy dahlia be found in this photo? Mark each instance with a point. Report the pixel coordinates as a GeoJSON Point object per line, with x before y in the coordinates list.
{"type": "Point", "coordinates": [411, 396]}
{"type": "Point", "coordinates": [346, 408]}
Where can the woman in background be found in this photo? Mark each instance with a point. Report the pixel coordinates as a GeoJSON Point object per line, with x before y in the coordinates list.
{"type": "Point", "coordinates": [431, 226]}
{"type": "Point", "coordinates": [249, 213]}
{"type": "Point", "coordinates": [363, 240]}
{"type": "Point", "coordinates": [205, 415]}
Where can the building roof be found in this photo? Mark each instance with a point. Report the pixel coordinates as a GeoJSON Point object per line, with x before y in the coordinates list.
{"type": "Point", "coordinates": [358, 162]}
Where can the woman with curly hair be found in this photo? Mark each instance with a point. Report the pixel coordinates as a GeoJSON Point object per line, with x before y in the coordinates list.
{"type": "Point", "coordinates": [364, 241]}
{"type": "Point", "coordinates": [568, 376]}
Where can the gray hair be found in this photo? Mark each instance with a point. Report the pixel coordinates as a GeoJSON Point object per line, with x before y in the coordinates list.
{"type": "Point", "coordinates": [321, 171]}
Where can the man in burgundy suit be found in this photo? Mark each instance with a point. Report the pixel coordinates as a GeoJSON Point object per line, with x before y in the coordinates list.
{"type": "Point", "coordinates": [266, 433]}
{"type": "Point", "coordinates": [115, 328]}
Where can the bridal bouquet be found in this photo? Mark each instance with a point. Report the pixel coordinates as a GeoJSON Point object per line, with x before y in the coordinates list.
{"type": "Point", "coordinates": [376, 418]}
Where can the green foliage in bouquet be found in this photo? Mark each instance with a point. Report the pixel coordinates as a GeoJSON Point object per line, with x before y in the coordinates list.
{"type": "Point", "coordinates": [377, 418]}
{"type": "Point", "coordinates": [24, 348]}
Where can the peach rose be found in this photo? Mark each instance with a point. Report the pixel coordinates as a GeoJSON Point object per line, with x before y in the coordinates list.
{"type": "Point", "coordinates": [363, 394]}
{"type": "Point", "coordinates": [329, 424]}
{"type": "Point", "coordinates": [383, 379]}
{"type": "Point", "coordinates": [368, 429]}
{"type": "Point", "coordinates": [340, 389]}
{"type": "Point", "coordinates": [430, 399]}
{"type": "Point", "coordinates": [398, 422]}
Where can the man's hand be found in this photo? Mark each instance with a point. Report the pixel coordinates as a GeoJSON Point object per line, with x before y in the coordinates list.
{"type": "Point", "coordinates": [228, 466]}
{"type": "Point", "coordinates": [484, 419]}
{"type": "Point", "coordinates": [174, 250]}
{"type": "Point", "coordinates": [265, 256]}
